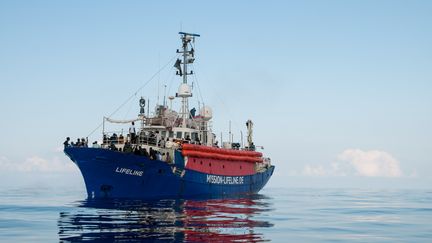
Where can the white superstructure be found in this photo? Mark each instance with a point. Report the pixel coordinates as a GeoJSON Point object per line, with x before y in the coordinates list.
{"type": "Point", "coordinates": [170, 128]}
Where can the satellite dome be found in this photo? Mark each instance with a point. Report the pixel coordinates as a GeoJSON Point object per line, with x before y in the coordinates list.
{"type": "Point", "coordinates": [206, 113]}
{"type": "Point", "coordinates": [184, 91]}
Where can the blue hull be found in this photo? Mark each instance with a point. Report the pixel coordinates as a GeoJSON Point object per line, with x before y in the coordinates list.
{"type": "Point", "coordinates": [118, 175]}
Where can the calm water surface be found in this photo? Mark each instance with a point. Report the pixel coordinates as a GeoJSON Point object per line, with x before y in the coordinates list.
{"type": "Point", "coordinates": [277, 215]}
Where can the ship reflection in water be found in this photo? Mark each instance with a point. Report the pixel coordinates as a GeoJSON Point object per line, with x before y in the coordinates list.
{"type": "Point", "coordinates": [209, 220]}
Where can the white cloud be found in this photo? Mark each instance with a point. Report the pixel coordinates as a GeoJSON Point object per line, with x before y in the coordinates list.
{"type": "Point", "coordinates": [36, 163]}
{"type": "Point", "coordinates": [373, 163]}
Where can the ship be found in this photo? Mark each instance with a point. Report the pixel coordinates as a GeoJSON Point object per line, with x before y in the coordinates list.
{"type": "Point", "coordinates": [171, 154]}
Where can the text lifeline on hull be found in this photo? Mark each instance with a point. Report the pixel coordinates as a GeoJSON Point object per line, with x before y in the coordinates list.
{"type": "Point", "coordinates": [172, 154]}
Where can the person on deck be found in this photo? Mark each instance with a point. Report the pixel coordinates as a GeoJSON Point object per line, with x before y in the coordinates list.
{"type": "Point", "coordinates": [144, 152]}
{"type": "Point", "coordinates": [84, 142]}
{"type": "Point", "coordinates": [132, 132]}
{"type": "Point", "coordinates": [127, 148]}
{"type": "Point", "coordinates": [121, 139]}
{"type": "Point", "coordinates": [158, 155]}
{"type": "Point", "coordinates": [66, 143]}
{"type": "Point", "coordinates": [78, 143]}
{"type": "Point", "coordinates": [114, 138]}
{"type": "Point", "coordinates": [168, 157]}
{"type": "Point", "coordinates": [137, 150]}
{"type": "Point", "coordinates": [105, 139]}
{"type": "Point", "coordinates": [188, 139]}
{"type": "Point", "coordinates": [157, 138]}
{"type": "Point", "coordinates": [113, 147]}
{"type": "Point", "coordinates": [96, 145]}
{"type": "Point", "coordinates": [162, 143]}
{"type": "Point", "coordinates": [152, 154]}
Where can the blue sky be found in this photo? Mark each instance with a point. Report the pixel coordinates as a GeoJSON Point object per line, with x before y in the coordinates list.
{"type": "Point", "coordinates": [340, 91]}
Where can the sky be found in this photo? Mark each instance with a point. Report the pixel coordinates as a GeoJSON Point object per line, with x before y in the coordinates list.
{"type": "Point", "coordinates": [340, 92]}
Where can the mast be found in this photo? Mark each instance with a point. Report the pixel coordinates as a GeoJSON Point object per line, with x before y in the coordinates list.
{"type": "Point", "coordinates": [182, 71]}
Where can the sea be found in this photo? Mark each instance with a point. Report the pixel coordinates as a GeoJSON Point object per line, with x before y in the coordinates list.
{"type": "Point", "coordinates": [63, 214]}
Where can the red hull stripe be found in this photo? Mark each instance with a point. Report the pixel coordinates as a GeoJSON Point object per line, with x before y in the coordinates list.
{"type": "Point", "coordinates": [220, 167]}
{"type": "Point", "coordinates": [208, 149]}
{"type": "Point", "coordinates": [216, 156]}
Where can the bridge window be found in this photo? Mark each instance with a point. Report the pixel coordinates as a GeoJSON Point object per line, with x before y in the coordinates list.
{"type": "Point", "coordinates": [194, 136]}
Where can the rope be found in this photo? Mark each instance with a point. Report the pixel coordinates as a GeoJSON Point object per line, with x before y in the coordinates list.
{"type": "Point", "coordinates": [196, 80]}
{"type": "Point", "coordinates": [129, 109]}
{"type": "Point", "coordinates": [135, 93]}
{"type": "Point", "coordinates": [170, 84]}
